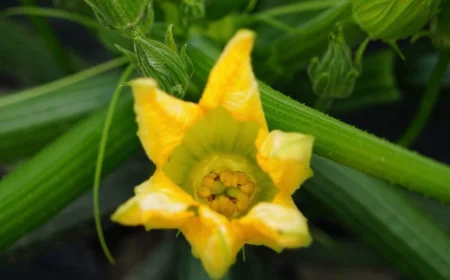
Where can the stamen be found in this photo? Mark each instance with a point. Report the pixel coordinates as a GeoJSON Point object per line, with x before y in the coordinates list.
{"type": "Point", "coordinates": [226, 207]}
{"type": "Point", "coordinates": [243, 201]}
{"type": "Point", "coordinates": [227, 178]}
{"type": "Point", "coordinates": [209, 180]}
{"type": "Point", "coordinates": [248, 188]}
{"type": "Point", "coordinates": [241, 179]}
{"type": "Point", "coordinates": [214, 205]}
{"type": "Point", "coordinates": [203, 192]}
{"type": "Point", "coordinates": [217, 188]}
{"type": "Point", "coordinates": [227, 192]}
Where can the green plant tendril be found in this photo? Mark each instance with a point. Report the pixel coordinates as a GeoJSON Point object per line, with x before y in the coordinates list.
{"type": "Point", "coordinates": [101, 155]}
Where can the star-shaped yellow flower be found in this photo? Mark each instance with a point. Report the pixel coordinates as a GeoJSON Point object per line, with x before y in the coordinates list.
{"type": "Point", "coordinates": [222, 178]}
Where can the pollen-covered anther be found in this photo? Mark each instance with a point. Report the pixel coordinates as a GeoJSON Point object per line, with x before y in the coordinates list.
{"type": "Point", "coordinates": [242, 199]}
{"type": "Point", "coordinates": [203, 192]}
{"type": "Point", "coordinates": [214, 205]}
{"type": "Point", "coordinates": [248, 188]}
{"type": "Point", "coordinates": [227, 192]}
{"type": "Point", "coordinates": [226, 206]}
{"type": "Point", "coordinates": [227, 178]}
{"type": "Point", "coordinates": [218, 187]}
{"type": "Point", "coordinates": [240, 178]}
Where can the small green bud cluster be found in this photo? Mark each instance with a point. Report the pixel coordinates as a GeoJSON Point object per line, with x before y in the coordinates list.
{"type": "Point", "coordinates": [192, 9]}
{"type": "Point", "coordinates": [333, 76]}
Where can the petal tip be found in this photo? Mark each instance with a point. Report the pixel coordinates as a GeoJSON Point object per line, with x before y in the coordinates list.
{"type": "Point", "coordinates": [245, 33]}
{"type": "Point", "coordinates": [143, 83]}
{"type": "Point", "coordinates": [128, 214]}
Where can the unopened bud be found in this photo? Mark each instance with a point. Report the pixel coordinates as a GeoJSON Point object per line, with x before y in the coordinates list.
{"type": "Point", "coordinates": [393, 20]}
{"type": "Point", "coordinates": [333, 76]}
{"type": "Point", "coordinates": [172, 69]}
{"type": "Point", "coordinates": [192, 9]}
{"type": "Point", "coordinates": [123, 15]}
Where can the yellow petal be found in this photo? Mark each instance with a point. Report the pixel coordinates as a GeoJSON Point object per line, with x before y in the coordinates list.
{"type": "Point", "coordinates": [158, 203]}
{"type": "Point", "coordinates": [286, 157]}
{"type": "Point", "coordinates": [162, 119]}
{"type": "Point", "coordinates": [232, 84]}
{"type": "Point", "coordinates": [213, 240]}
{"type": "Point", "coordinates": [276, 225]}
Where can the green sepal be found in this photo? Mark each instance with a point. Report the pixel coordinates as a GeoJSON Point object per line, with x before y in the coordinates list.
{"type": "Point", "coordinates": [163, 63]}
{"type": "Point", "coordinates": [169, 40]}
{"type": "Point", "coordinates": [129, 54]}
{"type": "Point", "coordinates": [187, 61]}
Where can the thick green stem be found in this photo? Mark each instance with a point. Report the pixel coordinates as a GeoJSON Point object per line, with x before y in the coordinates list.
{"type": "Point", "coordinates": [55, 47]}
{"type": "Point", "coordinates": [428, 100]}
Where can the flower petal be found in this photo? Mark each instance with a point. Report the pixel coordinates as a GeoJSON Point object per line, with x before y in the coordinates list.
{"type": "Point", "coordinates": [276, 225]}
{"type": "Point", "coordinates": [285, 157]}
{"type": "Point", "coordinates": [158, 203]}
{"type": "Point", "coordinates": [213, 240]}
{"type": "Point", "coordinates": [162, 119]}
{"type": "Point", "coordinates": [231, 83]}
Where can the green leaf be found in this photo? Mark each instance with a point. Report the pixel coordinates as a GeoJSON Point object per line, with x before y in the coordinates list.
{"type": "Point", "coordinates": [24, 56]}
{"type": "Point", "coordinates": [31, 118]}
{"type": "Point", "coordinates": [76, 221]}
{"type": "Point", "coordinates": [383, 217]}
{"type": "Point", "coordinates": [62, 171]}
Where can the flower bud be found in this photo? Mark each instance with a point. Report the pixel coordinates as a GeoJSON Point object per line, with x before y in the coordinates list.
{"type": "Point", "coordinates": [392, 20]}
{"type": "Point", "coordinates": [172, 69]}
{"type": "Point", "coordinates": [123, 15]}
{"type": "Point", "coordinates": [192, 9]}
{"type": "Point", "coordinates": [333, 76]}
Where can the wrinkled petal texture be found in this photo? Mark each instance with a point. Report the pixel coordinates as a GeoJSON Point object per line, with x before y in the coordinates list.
{"type": "Point", "coordinates": [162, 119]}
{"type": "Point", "coordinates": [285, 156]}
{"type": "Point", "coordinates": [158, 203]}
{"type": "Point", "coordinates": [231, 83]}
{"type": "Point", "coordinates": [214, 241]}
{"type": "Point", "coordinates": [277, 225]}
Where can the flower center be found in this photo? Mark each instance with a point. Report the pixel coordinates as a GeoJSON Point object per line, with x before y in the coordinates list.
{"type": "Point", "coordinates": [227, 192]}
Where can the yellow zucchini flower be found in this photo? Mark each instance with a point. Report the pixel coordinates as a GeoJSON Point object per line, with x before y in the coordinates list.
{"type": "Point", "coordinates": [221, 177]}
